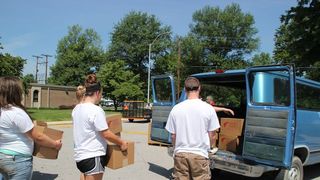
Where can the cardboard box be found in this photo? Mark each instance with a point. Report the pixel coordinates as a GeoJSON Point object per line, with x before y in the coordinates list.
{"type": "Point", "coordinates": [115, 123]}
{"type": "Point", "coordinates": [40, 123]}
{"type": "Point", "coordinates": [228, 143]}
{"type": "Point", "coordinates": [117, 159]}
{"type": "Point", "coordinates": [231, 126]}
{"type": "Point", "coordinates": [45, 152]}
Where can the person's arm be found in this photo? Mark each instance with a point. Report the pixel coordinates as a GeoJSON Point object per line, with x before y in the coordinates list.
{"type": "Point", "coordinates": [226, 110]}
{"type": "Point", "coordinates": [173, 139]}
{"type": "Point", "coordinates": [108, 135]}
{"type": "Point", "coordinates": [44, 140]}
{"type": "Point", "coordinates": [212, 137]}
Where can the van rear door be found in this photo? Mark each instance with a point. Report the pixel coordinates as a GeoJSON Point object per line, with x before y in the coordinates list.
{"type": "Point", "coordinates": [164, 98]}
{"type": "Point", "coordinates": [270, 120]}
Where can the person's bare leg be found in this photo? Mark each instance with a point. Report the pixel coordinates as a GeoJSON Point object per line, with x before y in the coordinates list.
{"type": "Point", "coordinates": [82, 176]}
{"type": "Point", "coordinates": [94, 177]}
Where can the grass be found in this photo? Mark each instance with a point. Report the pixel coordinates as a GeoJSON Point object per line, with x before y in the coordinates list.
{"type": "Point", "coordinates": [56, 114]}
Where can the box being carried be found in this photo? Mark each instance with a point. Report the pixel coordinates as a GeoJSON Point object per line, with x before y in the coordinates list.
{"type": "Point", "coordinates": [118, 159]}
{"type": "Point", "coordinates": [114, 123]}
{"type": "Point", "coordinates": [40, 123]}
{"type": "Point", "coordinates": [46, 152]}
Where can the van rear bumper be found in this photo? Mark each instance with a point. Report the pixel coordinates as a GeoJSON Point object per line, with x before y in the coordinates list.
{"type": "Point", "coordinates": [230, 162]}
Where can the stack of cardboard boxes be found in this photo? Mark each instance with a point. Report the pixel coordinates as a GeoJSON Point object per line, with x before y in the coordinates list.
{"type": "Point", "coordinates": [117, 158]}
{"type": "Point", "coordinates": [230, 133]}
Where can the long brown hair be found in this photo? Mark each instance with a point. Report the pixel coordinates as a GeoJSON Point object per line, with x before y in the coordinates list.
{"type": "Point", "coordinates": [11, 92]}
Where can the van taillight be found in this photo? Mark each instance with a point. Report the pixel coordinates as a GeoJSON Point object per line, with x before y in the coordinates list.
{"type": "Point", "coordinates": [219, 71]}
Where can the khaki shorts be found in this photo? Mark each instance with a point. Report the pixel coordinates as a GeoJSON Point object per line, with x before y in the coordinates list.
{"type": "Point", "coordinates": [191, 166]}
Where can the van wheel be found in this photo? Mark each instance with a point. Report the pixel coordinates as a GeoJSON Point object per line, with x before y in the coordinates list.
{"type": "Point", "coordinates": [294, 173]}
{"type": "Point", "coordinates": [130, 120]}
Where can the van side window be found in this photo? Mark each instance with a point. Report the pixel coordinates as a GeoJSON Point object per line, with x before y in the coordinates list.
{"type": "Point", "coordinates": [308, 97]}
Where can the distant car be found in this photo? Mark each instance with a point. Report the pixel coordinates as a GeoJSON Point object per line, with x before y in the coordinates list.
{"type": "Point", "coordinates": [106, 103]}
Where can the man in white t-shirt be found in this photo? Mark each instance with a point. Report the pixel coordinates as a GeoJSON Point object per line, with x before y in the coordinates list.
{"type": "Point", "coordinates": [192, 124]}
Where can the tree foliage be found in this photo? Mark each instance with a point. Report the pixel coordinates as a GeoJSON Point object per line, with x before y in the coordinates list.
{"type": "Point", "coordinates": [119, 83]}
{"type": "Point", "coordinates": [1, 47]}
{"type": "Point", "coordinates": [10, 65]}
{"type": "Point", "coordinates": [131, 38]}
{"type": "Point", "coordinates": [298, 38]}
{"type": "Point", "coordinates": [27, 79]}
{"type": "Point", "coordinates": [76, 53]}
{"type": "Point", "coordinates": [224, 36]}
{"type": "Point", "coordinates": [261, 59]}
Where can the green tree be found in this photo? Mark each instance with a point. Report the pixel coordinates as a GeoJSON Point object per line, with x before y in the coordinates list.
{"type": "Point", "coordinates": [119, 83]}
{"type": "Point", "coordinates": [261, 59]}
{"type": "Point", "coordinates": [130, 42]}
{"type": "Point", "coordinates": [27, 79]}
{"type": "Point", "coordinates": [76, 53]}
{"type": "Point", "coordinates": [226, 36]}
{"type": "Point", "coordinates": [1, 47]}
{"type": "Point", "coordinates": [298, 38]}
{"type": "Point", "coordinates": [10, 65]}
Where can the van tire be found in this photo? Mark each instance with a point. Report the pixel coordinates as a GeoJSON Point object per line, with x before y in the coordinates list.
{"type": "Point", "coordinates": [295, 172]}
{"type": "Point", "coordinates": [130, 120]}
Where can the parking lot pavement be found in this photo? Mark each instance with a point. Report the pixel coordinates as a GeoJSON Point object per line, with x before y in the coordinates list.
{"type": "Point", "coordinates": [151, 162]}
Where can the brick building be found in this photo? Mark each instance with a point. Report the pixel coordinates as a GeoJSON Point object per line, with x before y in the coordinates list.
{"type": "Point", "coordinates": [50, 96]}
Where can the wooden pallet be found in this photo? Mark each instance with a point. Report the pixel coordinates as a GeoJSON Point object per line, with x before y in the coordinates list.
{"type": "Point", "coordinates": [155, 143]}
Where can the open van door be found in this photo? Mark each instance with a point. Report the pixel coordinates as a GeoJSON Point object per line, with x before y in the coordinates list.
{"type": "Point", "coordinates": [271, 115]}
{"type": "Point", "coordinates": [164, 98]}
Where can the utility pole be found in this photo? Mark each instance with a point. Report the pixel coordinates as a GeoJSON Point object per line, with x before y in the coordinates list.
{"type": "Point", "coordinates": [149, 63]}
{"type": "Point", "coordinates": [178, 69]}
{"type": "Point", "coordinates": [46, 73]}
{"type": "Point", "coordinates": [37, 66]}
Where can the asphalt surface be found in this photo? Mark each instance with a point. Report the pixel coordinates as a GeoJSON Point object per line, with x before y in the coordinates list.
{"type": "Point", "coordinates": [151, 162]}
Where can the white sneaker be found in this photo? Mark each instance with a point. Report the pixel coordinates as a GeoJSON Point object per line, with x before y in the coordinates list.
{"type": "Point", "coordinates": [213, 151]}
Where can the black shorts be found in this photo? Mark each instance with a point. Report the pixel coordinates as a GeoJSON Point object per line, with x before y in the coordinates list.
{"type": "Point", "coordinates": [94, 165]}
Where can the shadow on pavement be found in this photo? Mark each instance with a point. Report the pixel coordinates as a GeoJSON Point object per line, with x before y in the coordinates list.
{"type": "Point", "coordinates": [40, 176]}
{"type": "Point", "coordinates": [160, 170]}
{"type": "Point", "coordinates": [137, 121]}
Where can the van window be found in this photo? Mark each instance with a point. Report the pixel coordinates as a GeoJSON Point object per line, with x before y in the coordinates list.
{"type": "Point", "coordinates": [163, 90]}
{"type": "Point", "coordinates": [226, 93]}
{"type": "Point", "coordinates": [308, 97]}
{"type": "Point", "coordinates": [270, 88]}
{"type": "Point", "coordinates": [222, 95]}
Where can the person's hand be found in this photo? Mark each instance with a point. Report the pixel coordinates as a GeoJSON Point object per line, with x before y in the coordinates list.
{"type": "Point", "coordinates": [229, 111]}
{"type": "Point", "coordinates": [58, 144]}
{"type": "Point", "coordinates": [124, 146]}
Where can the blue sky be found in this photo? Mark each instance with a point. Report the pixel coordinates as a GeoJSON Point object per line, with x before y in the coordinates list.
{"type": "Point", "coordinates": [34, 27]}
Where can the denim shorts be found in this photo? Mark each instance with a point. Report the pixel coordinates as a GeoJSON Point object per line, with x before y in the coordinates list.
{"type": "Point", "coordinates": [15, 167]}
